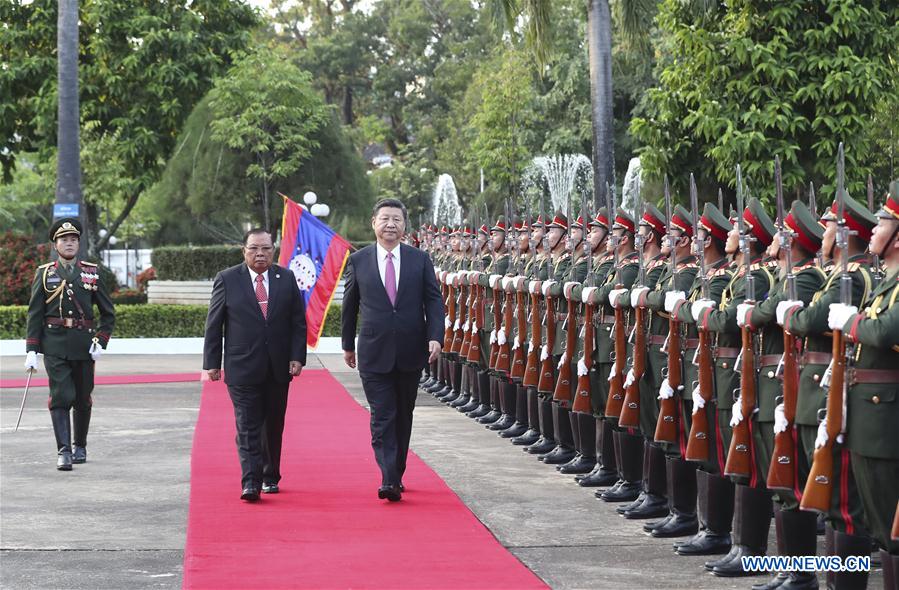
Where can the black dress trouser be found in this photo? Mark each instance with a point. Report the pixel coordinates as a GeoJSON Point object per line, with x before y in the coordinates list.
{"type": "Point", "coordinates": [391, 397]}
{"type": "Point", "coordinates": [259, 411]}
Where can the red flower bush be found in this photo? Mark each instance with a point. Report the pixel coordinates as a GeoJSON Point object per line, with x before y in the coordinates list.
{"type": "Point", "coordinates": [19, 259]}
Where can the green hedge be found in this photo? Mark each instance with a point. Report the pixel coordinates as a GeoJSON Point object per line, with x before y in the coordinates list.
{"type": "Point", "coordinates": [146, 321]}
{"type": "Point", "coordinates": [183, 263]}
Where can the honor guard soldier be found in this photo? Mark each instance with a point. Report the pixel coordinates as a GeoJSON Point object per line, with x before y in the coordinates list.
{"type": "Point", "coordinates": [61, 325]}
{"type": "Point", "coordinates": [872, 407]}
{"type": "Point", "coordinates": [846, 532]}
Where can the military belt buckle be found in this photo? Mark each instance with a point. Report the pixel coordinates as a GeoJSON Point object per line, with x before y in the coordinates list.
{"type": "Point", "coordinates": [68, 322]}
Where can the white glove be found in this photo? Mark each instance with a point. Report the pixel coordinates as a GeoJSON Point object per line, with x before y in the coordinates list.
{"type": "Point", "coordinates": [737, 414]}
{"type": "Point", "coordinates": [629, 380]}
{"type": "Point", "coordinates": [456, 324]}
{"type": "Point", "coordinates": [501, 336]}
{"type": "Point", "coordinates": [780, 419]}
{"type": "Point", "coordinates": [507, 282]}
{"type": "Point", "coordinates": [533, 287]}
{"type": "Point", "coordinates": [31, 361]}
{"type": "Point", "coordinates": [665, 391]}
{"type": "Point", "coordinates": [569, 287]}
{"type": "Point", "coordinates": [781, 310]}
{"type": "Point", "coordinates": [530, 347]}
{"type": "Point", "coordinates": [544, 353]}
{"type": "Point", "coordinates": [96, 351]}
{"type": "Point", "coordinates": [742, 312]}
{"type": "Point", "coordinates": [839, 314]}
{"type": "Point", "coordinates": [614, 294]}
{"type": "Point", "coordinates": [614, 372]}
{"type": "Point", "coordinates": [519, 282]}
{"type": "Point", "coordinates": [492, 336]}
{"type": "Point", "coordinates": [562, 361]}
{"type": "Point", "coordinates": [466, 326]}
{"type": "Point", "coordinates": [474, 326]}
{"type": "Point", "coordinates": [447, 323]}
{"type": "Point", "coordinates": [493, 279]}
{"type": "Point", "coordinates": [700, 306]}
{"type": "Point", "coordinates": [698, 400]}
{"type": "Point", "coordinates": [636, 294]}
{"type": "Point", "coordinates": [582, 368]}
{"type": "Point", "coordinates": [546, 287]}
{"type": "Point", "coordinates": [671, 299]}
{"type": "Point", "coordinates": [588, 294]}
{"type": "Point", "coordinates": [821, 439]}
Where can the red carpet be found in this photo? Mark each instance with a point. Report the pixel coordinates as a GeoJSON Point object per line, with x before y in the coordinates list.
{"type": "Point", "coordinates": [112, 379]}
{"type": "Point", "coordinates": [327, 528]}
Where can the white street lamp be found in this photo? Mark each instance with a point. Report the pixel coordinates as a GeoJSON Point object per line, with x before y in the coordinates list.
{"type": "Point", "coordinates": [310, 198]}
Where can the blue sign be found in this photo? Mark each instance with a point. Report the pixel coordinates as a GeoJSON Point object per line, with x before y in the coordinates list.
{"type": "Point", "coordinates": [65, 210]}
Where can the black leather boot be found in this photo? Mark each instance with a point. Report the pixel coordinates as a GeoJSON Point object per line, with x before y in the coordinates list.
{"type": "Point", "coordinates": [844, 546]}
{"type": "Point", "coordinates": [606, 472]}
{"type": "Point", "coordinates": [716, 513]}
{"type": "Point", "coordinates": [682, 500]}
{"type": "Point", "coordinates": [798, 530]}
{"type": "Point", "coordinates": [630, 469]}
{"type": "Point", "coordinates": [532, 434]}
{"type": "Point", "coordinates": [586, 445]}
{"type": "Point", "coordinates": [521, 414]}
{"type": "Point", "coordinates": [483, 395]}
{"type": "Point", "coordinates": [508, 396]}
{"type": "Point", "coordinates": [655, 503]}
{"type": "Point", "coordinates": [494, 414]}
{"type": "Point", "coordinates": [455, 389]}
{"type": "Point", "coordinates": [564, 451]}
{"type": "Point", "coordinates": [466, 388]}
{"type": "Point", "coordinates": [547, 441]}
{"type": "Point", "coordinates": [81, 421]}
{"type": "Point", "coordinates": [752, 521]}
{"type": "Point", "coordinates": [890, 570]}
{"type": "Point", "coordinates": [62, 430]}
{"type": "Point", "coordinates": [474, 398]}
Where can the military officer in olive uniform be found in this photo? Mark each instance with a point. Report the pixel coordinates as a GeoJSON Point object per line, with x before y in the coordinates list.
{"type": "Point", "coordinates": [872, 407]}
{"type": "Point", "coordinates": [61, 325]}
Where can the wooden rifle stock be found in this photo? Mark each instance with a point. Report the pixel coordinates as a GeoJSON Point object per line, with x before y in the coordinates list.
{"type": "Point", "coordinates": [667, 424]}
{"type": "Point", "coordinates": [698, 441]}
{"type": "Point", "coordinates": [520, 351]}
{"type": "Point", "coordinates": [532, 366]}
{"type": "Point", "coordinates": [564, 385]}
{"type": "Point", "coordinates": [782, 473]}
{"type": "Point", "coordinates": [630, 411]}
{"type": "Point", "coordinates": [740, 459]}
{"type": "Point", "coordinates": [616, 383]}
{"type": "Point", "coordinates": [546, 382]}
{"type": "Point", "coordinates": [469, 317]}
{"type": "Point", "coordinates": [582, 392]}
{"type": "Point", "coordinates": [504, 358]}
{"type": "Point", "coordinates": [474, 350]}
{"type": "Point", "coordinates": [497, 324]}
{"type": "Point", "coordinates": [819, 485]}
{"type": "Point", "coordinates": [461, 309]}
{"type": "Point", "coordinates": [450, 303]}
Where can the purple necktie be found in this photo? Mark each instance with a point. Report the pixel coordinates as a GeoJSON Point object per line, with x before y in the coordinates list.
{"type": "Point", "coordinates": [390, 279]}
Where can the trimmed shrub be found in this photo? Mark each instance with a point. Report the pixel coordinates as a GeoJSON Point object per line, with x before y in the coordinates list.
{"type": "Point", "coordinates": [128, 297]}
{"type": "Point", "coordinates": [183, 263]}
{"type": "Point", "coordinates": [19, 258]}
{"type": "Point", "coordinates": [148, 320]}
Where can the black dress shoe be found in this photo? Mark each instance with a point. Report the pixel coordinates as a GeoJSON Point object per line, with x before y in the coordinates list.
{"type": "Point", "coordinates": [710, 565]}
{"type": "Point", "coordinates": [391, 493]}
{"type": "Point", "coordinates": [490, 417]}
{"type": "Point", "coordinates": [527, 439]}
{"type": "Point", "coordinates": [270, 488]}
{"type": "Point", "coordinates": [517, 429]}
{"type": "Point", "coordinates": [541, 447]}
{"type": "Point", "coordinates": [435, 387]}
{"type": "Point", "coordinates": [626, 492]}
{"type": "Point", "coordinates": [559, 456]}
{"type": "Point", "coordinates": [656, 524]}
{"type": "Point", "coordinates": [734, 567]}
{"type": "Point", "coordinates": [800, 581]}
{"type": "Point", "coordinates": [478, 412]}
{"type": "Point", "coordinates": [600, 477]}
{"type": "Point", "coordinates": [504, 422]}
{"type": "Point", "coordinates": [250, 494]}
{"type": "Point", "coordinates": [402, 487]}
{"type": "Point", "coordinates": [776, 582]}
{"type": "Point", "coordinates": [706, 544]}
{"type": "Point", "coordinates": [580, 465]}
{"type": "Point", "coordinates": [79, 454]}
{"type": "Point", "coordinates": [631, 505]}
{"type": "Point", "coordinates": [680, 525]}
{"type": "Point", "coordinates": [652, 507]}
{"type": "Point", "coordinates": [461, 401]}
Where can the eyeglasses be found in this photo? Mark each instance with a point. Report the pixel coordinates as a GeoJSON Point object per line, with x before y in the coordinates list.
{"type": "Point", "coordinates": [265, 249]}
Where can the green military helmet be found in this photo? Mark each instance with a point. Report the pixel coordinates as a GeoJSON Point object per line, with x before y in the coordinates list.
{"type": "Point", "coordinates": [65, 226]}
{"type": "Point", "coordinates": [857, 217]}
{"type": "Point", "coordinates": [683, 220]}
{"type": "Point", "coordinates": [759, 223]}
{"type": "Point", "coordinates": [714, 222]}
{"type": "Point", "coordinates": [808, 232]}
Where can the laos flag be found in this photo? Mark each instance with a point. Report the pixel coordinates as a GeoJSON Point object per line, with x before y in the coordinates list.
{"type": "Point", "coordinates": [316, 255]}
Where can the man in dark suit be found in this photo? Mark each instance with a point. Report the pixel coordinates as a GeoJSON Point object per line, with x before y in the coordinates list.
{"type": "Point", "coordinates": [259, 308]}
{"type": "Point", "coordinates": [394, 287]}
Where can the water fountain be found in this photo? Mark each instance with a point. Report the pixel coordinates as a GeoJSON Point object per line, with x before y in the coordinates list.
{"type": "Point", "coordinates": [445, 203]}
{"type": "Point", "coordinates": [560, 176]}
{"type": "Point", "coordinates": [629, 190]}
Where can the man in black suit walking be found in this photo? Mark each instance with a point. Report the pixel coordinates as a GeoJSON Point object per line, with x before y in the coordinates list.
{"type": "Point", "coordinates": [259, 309]}
{"type": "Point", "coordinates": [394, 287]}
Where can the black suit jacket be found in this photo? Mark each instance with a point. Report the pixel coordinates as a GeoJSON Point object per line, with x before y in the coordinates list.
{"type": "Point", "coordinates": [251, 341]}
{"type": "Point", "coordinates": [391, 337]}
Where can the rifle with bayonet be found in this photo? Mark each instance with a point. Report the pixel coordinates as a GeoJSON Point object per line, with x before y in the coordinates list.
{"type": "Point", "coordinates": [467, 276]}
{"type": "Point", "coordinates": [813, 207]}
{"type": "Point", "coordinates": [819, 485]}
{"type": "Point", "coordinates": [546, 381]}
{"type": "Point", "coordinates": [564, 389]}
{"type": "Point", "coordinates": [519, 349]}
{"type": "Point", "coordinates": [582, 389]}
{"type": "Point", "coordinates": [630, 410]}
{"type": "Point", "coordinates": [698, 441]}
{"type": "Point", "coordinates": [782, 472]}
{"type": "Point", "coordinates": [667, 425]}
{"type": "Point", "coordinates": [740, 458]}
{"type": "Point", "coordinates": [476, 315]}
{"type": "Point", "coordinates": [619, 334]}
{"type": "Point", "coordinates": [532, 364]}
{"type": "Point", "coordinates": [496, 308]}
{"type": "Point", "coordinates": [461, 307]}
{"type": "Point", "coordinates": [504, 334]}
{"type": "Point", "coordinates": [877, 271]}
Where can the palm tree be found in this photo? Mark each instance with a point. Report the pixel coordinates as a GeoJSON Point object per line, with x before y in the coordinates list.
{"type": "Point", "coordinates": [633, 17]}
{"type": "Point", "coordinates": [68, 167]}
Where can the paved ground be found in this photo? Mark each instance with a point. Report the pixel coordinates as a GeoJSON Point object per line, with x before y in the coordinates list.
{"type": "Point", "coordinates": [119, 521]}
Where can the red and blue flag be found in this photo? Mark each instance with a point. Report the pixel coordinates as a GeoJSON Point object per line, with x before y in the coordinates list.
{"type": "Point", "coordinates": [316, 255]}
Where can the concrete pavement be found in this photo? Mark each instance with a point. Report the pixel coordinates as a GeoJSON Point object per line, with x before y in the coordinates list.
{"type": "Point", "coordinates": [119, 521]}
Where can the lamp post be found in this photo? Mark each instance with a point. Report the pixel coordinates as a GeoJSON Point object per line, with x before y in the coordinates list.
{"type": "Point", "coordinates": [316, 208]}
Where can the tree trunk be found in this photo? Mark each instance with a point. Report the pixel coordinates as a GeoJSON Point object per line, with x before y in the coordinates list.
{"type": "Point", "coordinates": [348, 105]}
{"type": "Point", "coordinates": [599, 42]}
{"type": "Point", "coordinates": [266, 214]}
{"type": "Point", "coordinates": [68, 167]}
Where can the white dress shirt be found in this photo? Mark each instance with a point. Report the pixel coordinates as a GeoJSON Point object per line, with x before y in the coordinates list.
{"type": "Point", "coordinates": [253, 275]}
{"type": "Point", "coordinates": [382, 263]}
